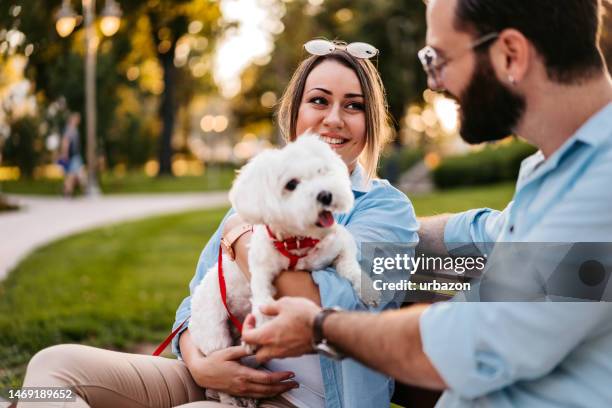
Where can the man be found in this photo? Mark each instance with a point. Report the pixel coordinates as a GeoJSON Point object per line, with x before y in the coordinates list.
{"type": "Point", "coordinates": [532, 68]}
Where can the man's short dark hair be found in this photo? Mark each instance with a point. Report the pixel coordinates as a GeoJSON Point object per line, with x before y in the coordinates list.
{"type": "Point", "coordinates": [564, 32]}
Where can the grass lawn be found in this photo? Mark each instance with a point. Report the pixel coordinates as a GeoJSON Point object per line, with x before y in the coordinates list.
{"type": "Point", "coordinates": [111, 287]}
{"type": "Point", "coordinates": [494, 196]}
{"type": "Point", "coordinates": [118, 286]}
{"type": "Point", "coordinates": [134, 182]}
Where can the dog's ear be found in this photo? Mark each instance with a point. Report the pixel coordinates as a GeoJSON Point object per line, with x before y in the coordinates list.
{"type": "Point", "coordinates": [253, 183]}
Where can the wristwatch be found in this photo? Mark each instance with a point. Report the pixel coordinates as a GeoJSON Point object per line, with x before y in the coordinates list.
{"type": "Point", "coordinates": [227, 242]}
{"type": "Point", "coordinates": [319, 342]}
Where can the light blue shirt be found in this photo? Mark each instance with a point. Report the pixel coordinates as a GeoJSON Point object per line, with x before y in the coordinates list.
{"type": "Point", "coordinates": [538, 354]}
{"type": "Point", "coordinates": [381, 214]}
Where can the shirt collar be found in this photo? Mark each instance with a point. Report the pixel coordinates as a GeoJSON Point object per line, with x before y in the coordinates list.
{"type": "Point", "coordinates": [597, 128]}
{"type": "Point", "coordinates": [592, 133]}
{"type": "Point", "coordinates": [359, 181]}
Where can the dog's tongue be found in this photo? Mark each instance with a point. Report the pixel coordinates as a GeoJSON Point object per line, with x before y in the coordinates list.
{"type": "Point", "coordinates": [326, 219]}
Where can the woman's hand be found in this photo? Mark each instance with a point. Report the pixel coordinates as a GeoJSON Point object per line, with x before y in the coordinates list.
{"type": "Point", "coordinates": [221, 371]}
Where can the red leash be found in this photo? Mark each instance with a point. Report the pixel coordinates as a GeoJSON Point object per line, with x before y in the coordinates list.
{"type": "Point", "coordinates": [237, 323]}
{"type": "Point", "coordinates": [281, 246]}
{"type": "Point", "coordinates": [223, 289]}
{"type": "Point", "coordinates": [168, 339]}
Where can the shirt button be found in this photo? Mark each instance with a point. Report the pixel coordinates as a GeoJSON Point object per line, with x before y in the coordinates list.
{"type": "Point", "coordinates": [511, 229]}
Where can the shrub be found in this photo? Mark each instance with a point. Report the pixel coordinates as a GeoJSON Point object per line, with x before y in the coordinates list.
{"type": "Point", "coordinates": [493, 164]}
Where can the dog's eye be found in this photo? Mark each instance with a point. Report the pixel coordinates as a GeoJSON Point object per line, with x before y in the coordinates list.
{"type": "Point", "coordinates": [292, 184]}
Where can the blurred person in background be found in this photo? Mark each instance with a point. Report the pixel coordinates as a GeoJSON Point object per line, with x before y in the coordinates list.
{"type": "Point", "coordinates": [70, 156]}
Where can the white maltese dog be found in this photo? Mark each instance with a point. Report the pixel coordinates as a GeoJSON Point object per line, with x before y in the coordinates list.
{"type": "Point", "coordinates": [289, 196]}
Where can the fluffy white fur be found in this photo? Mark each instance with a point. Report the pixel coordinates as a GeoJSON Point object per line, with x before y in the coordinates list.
{"type": "Point", "coordinates": [259, 195]}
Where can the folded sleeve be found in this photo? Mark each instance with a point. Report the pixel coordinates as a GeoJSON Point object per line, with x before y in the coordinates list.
{"type": "Point", "coordinates": [207, 259]}
{"type": "Point", "coordinates": [479, 348]}
{"type": "Point", "coordinates": [385, 217]}
{"type": "Point", "coordinates": [474, 232]}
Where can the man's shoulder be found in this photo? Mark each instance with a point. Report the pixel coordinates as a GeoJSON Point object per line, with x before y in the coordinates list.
{"type": "Point", "coordinates": [579, 198]}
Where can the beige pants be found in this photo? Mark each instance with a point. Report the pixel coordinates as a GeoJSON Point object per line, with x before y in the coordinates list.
{"type": "Point", "coordinates": [104, 378]}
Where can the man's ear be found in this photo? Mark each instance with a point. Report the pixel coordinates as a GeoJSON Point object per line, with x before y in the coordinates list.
{"type": "Point", "coordinates": [511, 55]}
{"type": "Point", "coordinates": [250, 188]}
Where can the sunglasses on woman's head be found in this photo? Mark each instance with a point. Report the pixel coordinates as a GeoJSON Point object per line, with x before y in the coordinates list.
{"type": "Point", "coordinates": [357, 49]}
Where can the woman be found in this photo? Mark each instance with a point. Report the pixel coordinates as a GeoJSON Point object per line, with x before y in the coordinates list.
{"type": "Point", "coordinates": [337, 93]}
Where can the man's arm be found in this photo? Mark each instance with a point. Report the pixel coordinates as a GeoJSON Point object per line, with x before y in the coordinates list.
{"type": "Point", "coordinates": [431, 234]}
{"type": "Point", "coordinates": [389, 342]}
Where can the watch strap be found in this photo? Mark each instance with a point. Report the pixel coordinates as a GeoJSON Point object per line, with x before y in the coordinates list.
{"type": "Point", "coordinates": [319, 342]}
{"type": "Point", "coordinates": [228, 241]}
{"type": "Point", "coordinates": [317, 326]}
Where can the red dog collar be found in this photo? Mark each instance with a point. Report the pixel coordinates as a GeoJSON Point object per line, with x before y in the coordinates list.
{"type": "Point", "coordinates": [290, 244]}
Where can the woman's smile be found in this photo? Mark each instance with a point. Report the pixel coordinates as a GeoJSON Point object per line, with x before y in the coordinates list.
{"type": "Point", "coordinates": [335, 141]}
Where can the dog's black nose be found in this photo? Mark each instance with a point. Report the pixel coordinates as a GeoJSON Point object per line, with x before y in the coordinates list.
{"type": "Point", "coordinates": [324, 197]}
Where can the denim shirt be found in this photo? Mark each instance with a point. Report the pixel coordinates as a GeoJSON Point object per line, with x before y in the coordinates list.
{"type": "Point", "coordinates": [539, 354]}
{"type": "Point", "coordinates": [381, 214]}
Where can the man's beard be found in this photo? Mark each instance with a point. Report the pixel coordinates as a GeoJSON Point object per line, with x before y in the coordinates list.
{"type": "Point", "coordinates": [489, 110]}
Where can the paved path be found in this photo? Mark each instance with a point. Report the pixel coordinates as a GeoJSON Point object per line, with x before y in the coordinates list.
{"type": "Point", "coordinates": [417, 180]}
{"type": "Point", "coordinates": [44, 219]}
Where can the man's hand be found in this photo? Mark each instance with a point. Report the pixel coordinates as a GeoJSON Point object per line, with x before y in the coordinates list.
{"type": "Point", "coordinates": [289, 334]}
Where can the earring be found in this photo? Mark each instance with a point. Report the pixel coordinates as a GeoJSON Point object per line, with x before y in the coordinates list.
{"type": "Point", "coordinates": [511, 79]}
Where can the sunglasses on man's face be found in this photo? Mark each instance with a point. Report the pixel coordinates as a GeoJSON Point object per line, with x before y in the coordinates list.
{"type": "Point", "coordinates": [359, 50]}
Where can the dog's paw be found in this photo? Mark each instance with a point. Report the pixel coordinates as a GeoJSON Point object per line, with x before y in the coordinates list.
{"type": "Point", "coordinates": [372, 299]}
{"type": "Point", "coordinates": [368, 294]}
{"type": "Point", "coordinates": [246, 402]}
{"type": "Point", "coordinates": [237, 401]}
{"type": "Point", "coordinates": [372, 302]}
{"type": "Point", "coordinates": [249, 348]}
{"type": "Point", "coordinates": [260, 318]}
{"type": "Point", "coordinates": [249, 402]}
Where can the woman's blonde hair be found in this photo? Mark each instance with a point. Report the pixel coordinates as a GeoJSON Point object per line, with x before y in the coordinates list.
{"type": "Point", "coordinates": [378, 131]}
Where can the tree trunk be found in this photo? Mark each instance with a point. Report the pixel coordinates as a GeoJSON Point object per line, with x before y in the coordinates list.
{"type": "Point", "coordinates": [167, 111]}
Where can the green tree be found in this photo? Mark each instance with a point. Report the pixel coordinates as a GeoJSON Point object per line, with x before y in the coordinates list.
{"type": "Point", "coordinates": [25, 145]}
{"type": "Point", "coordinates": [169, 21]}
{"type": "Point", "coordinates": [56, 67]}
